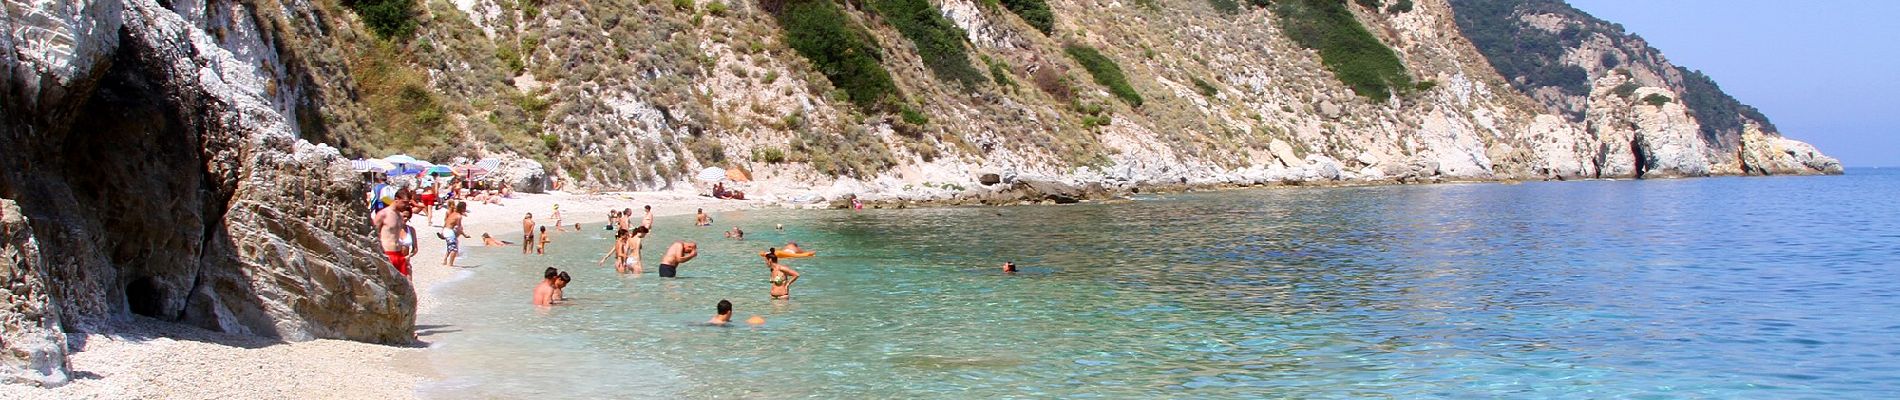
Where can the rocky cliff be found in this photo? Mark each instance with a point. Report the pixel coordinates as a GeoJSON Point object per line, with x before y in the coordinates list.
{"type": "Point", "coordinates": [149, 169]}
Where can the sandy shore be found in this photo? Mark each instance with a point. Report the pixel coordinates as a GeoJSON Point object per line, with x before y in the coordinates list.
{"type": "Point", "coordinates": [145, 358]}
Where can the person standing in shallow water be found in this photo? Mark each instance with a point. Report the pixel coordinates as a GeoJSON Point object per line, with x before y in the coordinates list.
{"type": "Point", "coordinates": [452, 232]}
{"type": "Point", "coordinates": [635, 243]}
{"type": "Point", "coordinates": [782, 276]}
{"type": "Point", "coordinates": [527, 233]}
{"type": "Point", "coordinates": [679, 253]}
{"type": "Point", "coordinates": [701, 219]}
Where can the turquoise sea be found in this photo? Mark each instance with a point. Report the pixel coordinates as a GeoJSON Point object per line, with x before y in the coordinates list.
{"type": "Point", "coordinates": [1770, 288]}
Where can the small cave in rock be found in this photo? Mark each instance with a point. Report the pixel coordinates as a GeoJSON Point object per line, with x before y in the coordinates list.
{"type": "Point", "coordinates": [144, 297]}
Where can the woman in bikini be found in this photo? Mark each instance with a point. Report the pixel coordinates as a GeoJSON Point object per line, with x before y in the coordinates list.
{"type": "Point", "coordinates": [782, 276]}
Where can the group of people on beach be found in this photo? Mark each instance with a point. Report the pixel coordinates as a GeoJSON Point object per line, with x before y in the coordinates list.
{"type": "Point", "coordinates": [393, 205]}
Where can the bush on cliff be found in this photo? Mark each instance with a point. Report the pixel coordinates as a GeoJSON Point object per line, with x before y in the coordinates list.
{"type": "Point", "coordinates": [1354, 56]}
{"type": "Point", "coordinates": [840, 49]}
{"type": "Point", "coordinates": [1105, 71]}
{"type": "Point", "coordinates": [938, 42]}
{"type": "Point", "coordinates": [387, 18]}
{"type": "Point", "coordinates": [1034, 12]}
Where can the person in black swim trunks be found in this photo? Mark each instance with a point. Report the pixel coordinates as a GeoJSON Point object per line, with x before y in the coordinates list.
{"type": "Point", "coordinates": [679, 253]}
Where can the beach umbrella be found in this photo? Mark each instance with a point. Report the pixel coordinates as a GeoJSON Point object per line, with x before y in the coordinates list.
{"type": "Point", "coordinates": [712, 174]}
{"type": "Point", "coordinates": [399, 160]}
{"type": "Point", "coordinates": [440, 170]}
{"type": "Point", "coordinates": [371, 165]}
{"type": "Point", "coordinates": [470, 170]}
{"type": "Point", "coordinates": [489, 164]}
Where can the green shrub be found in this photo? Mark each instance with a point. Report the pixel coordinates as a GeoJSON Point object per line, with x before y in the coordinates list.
{"type": "Point", "coordinates": [939, 43]}
{"type": "Point", "coordinates": [1401, 6]}
{"type": "Point", "coordinates": [1625, 90]}
{"type": "Point", "coordinates": [999, 72]}
{"type": "Point", "coordinates": [1371, 4]}
{"type": "Point", "coordinates": [1656, 99]}
{"type": "Point", "coordinates": [1034, 12]}
{"type": "Point", "coordinates": [1229, 7]}
{"type": "Point", "coordinates": [912, 116]}
{"type": "Point", "coordinates": [389, 19]}
{"type": "Point", "coordinates": [1426, 85]}
{"type": "Point", "coordinates": [1354, 56]}
{"type": "Point", "coordinates": [683, 5]}
{"type": "Point", "coordinates": [510, 58]}
{"type": "Point", "coordinates": [769, 155]}
{"type": "Point", "coordinates": [840, 49]}
{"type": "Point", "coordinates": [552, 142]}
{"type": "Point", "coordinates": [716, 8]}
{"type": "Point", "coordinates": [1105, 71]}
{"type": "Point", "coordinates": [1205, 88]}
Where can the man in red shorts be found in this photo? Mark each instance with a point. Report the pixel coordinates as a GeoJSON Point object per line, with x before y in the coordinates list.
{"type": "Point", "coordinates": [389, 229]}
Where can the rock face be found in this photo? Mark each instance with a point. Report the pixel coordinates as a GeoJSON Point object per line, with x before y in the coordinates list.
{"type": "Point", "coordinates": [29, 322]}
{"type": "Point", "coordinates": [163, 180]}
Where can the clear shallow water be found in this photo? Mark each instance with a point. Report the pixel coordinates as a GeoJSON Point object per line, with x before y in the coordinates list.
{"type": "Point", "coordinates": [1701, 288]}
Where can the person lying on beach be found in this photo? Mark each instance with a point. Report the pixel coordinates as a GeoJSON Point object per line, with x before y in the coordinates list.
{"type": "Point", "coordinates": [527, 233]}
{"type": "Point", "coordinates": [1009, 267]}
{"type": "Point", "coordinates": [792, 247]}
{"type": "Point", "coordinates": [701, 219]}
{"type": "Point", "coordinates": [679, 253]}
{"type": "Point", "coordinates": [735, 233]}
{"type": "Point", "coordinates": [618, 252]}
{"type": "Point", "coordinates": [560, 284]}
{"type": "Point", "coordinates": [544, 292]}
{"type": "Point", "coordinates": [782, 276]}
{"type": "Point", "coordinates": [541, 247]}
{"type": "Point", "coordinates": [491, 241]}
{"type": "Point", "coordinates": [724, 316]}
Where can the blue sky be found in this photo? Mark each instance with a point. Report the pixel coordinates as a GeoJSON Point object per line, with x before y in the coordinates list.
{"type": "Point", "coordinates": [1826, 72]}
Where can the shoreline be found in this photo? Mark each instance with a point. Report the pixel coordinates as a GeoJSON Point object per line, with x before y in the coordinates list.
{"type": "Point", "coordinates": [140, 357]}
{"type": "Point", "coordinates": [144, 358]}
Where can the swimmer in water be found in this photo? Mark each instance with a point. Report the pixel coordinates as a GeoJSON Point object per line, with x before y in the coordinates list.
{"type": "Point", "coordinates": [724, 316]}
{"type": "Point", "coordinates": [1009, 267]}
{"type": "Point", "coordinates": [544, 292]}
{"type": "Point", "coordinates": [560, 286]}
{"type": "Point", "coordinates": [491, 241]}
{"type": "Point", "coordinates": [735, 233]}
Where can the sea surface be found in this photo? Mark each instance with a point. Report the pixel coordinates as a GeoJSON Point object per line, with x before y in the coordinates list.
{"type": "Point", "coordinates": [1767, 288]}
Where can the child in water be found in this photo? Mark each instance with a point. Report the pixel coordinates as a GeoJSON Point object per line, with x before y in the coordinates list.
{"type": "Point", "coordinates": [541, 247]}
{"type": "Point", "coordinates": [560, 283]}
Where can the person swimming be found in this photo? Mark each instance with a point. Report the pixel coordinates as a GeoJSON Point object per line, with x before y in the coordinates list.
{"type": "Point", "coordinates": [560, 286]}
{"type": "Point", "coordinates": [735, 233]}
{"type": "Point", "coordinates": [1009, 267]}
{"type": "Point", "coordinates": [782, 276]}
{"type": "Point", "coordinates": [544, 292]}
{"type": "Point", "coordinates": [724, 316]}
